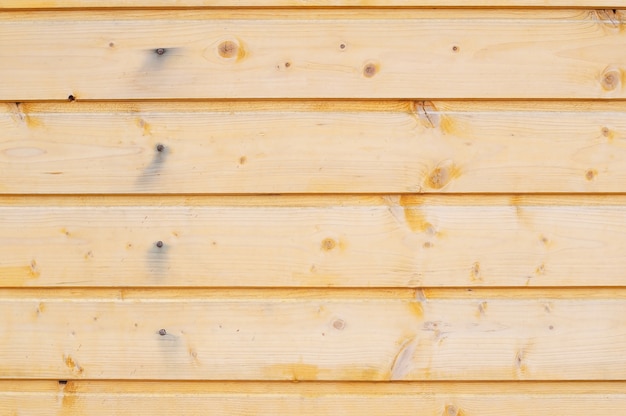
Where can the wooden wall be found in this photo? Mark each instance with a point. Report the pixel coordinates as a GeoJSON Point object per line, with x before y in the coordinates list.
{"type": "Point", "coordinates": [316, 207]}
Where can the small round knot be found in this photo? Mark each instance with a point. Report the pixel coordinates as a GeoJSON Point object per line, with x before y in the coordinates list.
{"type": "Point", "coordinates": [159, 244]}
{"type": "Point", "coordinates": [339, 324]}
{"type": "Point", "coordinates": [228, 49]}
{"type": "Point", "coordinates": [611, 79]}
{"type": "Point", "coordinates": [452, 410]}
{"type": "Point", "coordinates": [328, 244]}
{"type": "Point", "coordinates": [369, 70]}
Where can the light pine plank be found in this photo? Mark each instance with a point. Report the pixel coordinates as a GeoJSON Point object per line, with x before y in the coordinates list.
{"type": "Point", "coordinates": [40, 398]}
{"type": "Point", "coordinates": [419, 338]}
{"type": "Point", "coordinates": [319, 147]}
{"type": "Point", "coordinates": [312, 54]}
{"type": "Point", "coordinates": [310, 200]}
{"type": "Point", "coordinates": [62, 4]}
{"type": "Point", "coordinates": [398, 243]}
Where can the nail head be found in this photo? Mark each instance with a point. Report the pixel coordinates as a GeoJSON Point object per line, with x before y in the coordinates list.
{"type": "Point", "coordinates": [159, 244]}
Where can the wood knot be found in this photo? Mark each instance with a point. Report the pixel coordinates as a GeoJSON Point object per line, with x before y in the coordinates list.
{"type": "Point", "coordinates": [475, 273]}
{"type": "Point", "coordinates": [231, 49]}
{"type": "Point", "coordinates": [452, 410]}
{"type": "Point", "coordinates": [328, 244]}
{"type": "Point", "coordinates": [370, 69]}
{"type": "Point", "coordinates": [611, 79]}
{"type": "Point", "coordinates": [482, 308]}
{"type": "Point", "coordinates": [339, 324]}
{"type": "Point", "coordinates": [72, 365]}
{"type": "Point", "coordinates": [441, 175]}
{"type": "Point", "coordinates": [591, 174]}
{"type": "Point", "coordinates": [228, 49]}
{"type": "Point", "coordinates": [611, 18]}
{"type": "Point", "coordinates": [427, 114]}
{"type": "Point", "coordinates": [520, 360]}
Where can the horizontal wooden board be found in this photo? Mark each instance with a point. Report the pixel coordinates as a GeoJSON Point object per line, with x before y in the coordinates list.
{"type": "Point", "coordinates": [97, 398]}
{"type": "Point", "coordinates": [357, 338]}
{"type": "Point", "coordinates": [65, 4]}
{"type": "Point", "coordinates": [401, 242]}
{"type": "Point", "coordinates": [285, 53]}
{"type": "Point", "coordinates": [320, 147]}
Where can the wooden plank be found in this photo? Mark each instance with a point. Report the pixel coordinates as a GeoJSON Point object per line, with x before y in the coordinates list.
{"type": "Point", "coordinates": [326, 147]}
{"type": "Point", "coordinates": [39, 398]}
{"type": "Point", "coordinates": [400, 242]}
{"type": "Point", "coordinates": [311, 200]}
{"type": "Point", "coordinates": [168, 4]}
{"type": "Point", "coordinates": [46, 336]}
{"type": "Point", "coordinates": [285, 53]}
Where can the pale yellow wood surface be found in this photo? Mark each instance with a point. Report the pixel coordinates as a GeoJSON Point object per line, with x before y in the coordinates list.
{"type": "Point", "coordinates": [79, 398]}
{"type": "Point", "coordinates": [148, 289]}
{"type": "Point", "coordinates": [330, 147]}
{"type": "Point", "coordinates": [399, 242]}
{"type": "Point", "coordinates": [280, 53]}
{"type": "Point", "coordinates": [357, 338]}
{"type": "Point", "coordinates": [63, 4]}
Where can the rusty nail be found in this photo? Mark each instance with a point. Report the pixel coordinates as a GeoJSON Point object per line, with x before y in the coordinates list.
{"type": "Point", "coordinates": [160, 148]}
{"type": "Point", "coordinates": [162, 332]}
{"type": "Point", "coordinates": [159, 244]}
{"type": "Point", "coordinates": [160, 51]}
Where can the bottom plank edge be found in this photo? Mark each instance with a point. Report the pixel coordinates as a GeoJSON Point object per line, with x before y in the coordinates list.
{"type": "Point", "coordinates": [399, 387]}
{"type": "Point", "coordinates": [285, 398]}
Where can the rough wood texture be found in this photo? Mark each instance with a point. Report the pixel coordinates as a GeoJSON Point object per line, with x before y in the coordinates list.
{"type": "Point", "coordinates": [79, 398]}
{"type": "Point", "coordinates": [397, 242]}
{"type": "Point", "coordinates": [476, 337]}
{"type": "Point", "coordinates": [287, 53]}
{"type": "Point", "coordinates": [62, 4]}
{"type": "Point", "coordinates": [330, 147]}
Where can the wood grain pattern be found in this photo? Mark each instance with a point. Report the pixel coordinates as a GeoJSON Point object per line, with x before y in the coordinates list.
{"type": "Point", "coordinates": [79, 398]}
{"type": "Point", "coordinates": [400, 242]}
{"type": "Point", "coordinates": [65, 4]}
{"type": "Point", "coordinates": [408, 211]}
{"type": "Point", "coordinates": [312, 54]}
{"type": "Point", "coordinates": [415, 338]}
{"type": "Point", "coordinates": [329, 147]}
